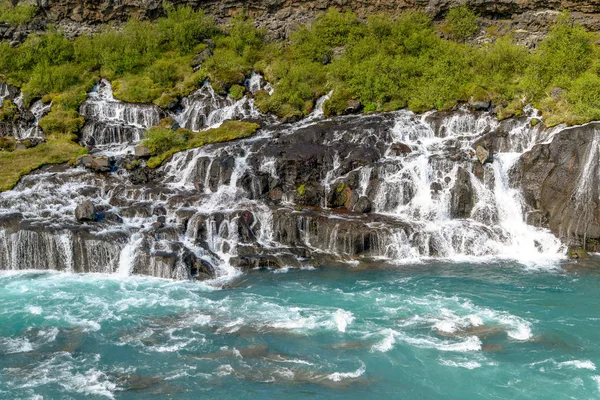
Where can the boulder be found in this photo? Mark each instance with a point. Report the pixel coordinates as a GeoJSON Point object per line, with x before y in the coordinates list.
{"type": "Point", "coordinates": [479, 105]}
{"type": "Point", "coordinates": [400, 148]}
{"type": "Point", "coordinates": [483, 154]}
{"type": "Point", "coordinates": [363, 205]}
{"type": "Point", "coordinates": [95, 163]}
{"type": "Point", "coordinates": [461, 195]}
{"type": "Point", "coordinates": [141, 151]}
{"type": "Point", "coordinates": [86, 212]}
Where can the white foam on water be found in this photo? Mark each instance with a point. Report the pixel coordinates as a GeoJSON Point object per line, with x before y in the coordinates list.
{"type": "Point", "coordinates": [578, 364]}
{"type": "Point", "coordinates": [224, 370]}
{"type": "Point", "coordinates": [460, 364]}
{"type": "Point", "coordinates": [342, 319]}
{"type": "Point", "coordinates": [15, 345]}
{"type": "Point", "coordinates": [387, 343]}
{"type": "Point", "coordinates": [91, 383]}
{"type": "Point", "coordinates": [596, 379]}
{"type": "Point", "coordinates": [340, 376]}
{"type": "Point", "coordinates": [35, 310]}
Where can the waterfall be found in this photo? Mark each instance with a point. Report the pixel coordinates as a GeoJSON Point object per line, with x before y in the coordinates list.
{"type": "Point", "coordinates": [287, 196]}
{"type": "Point", "coordinates": [205, 109]}
{"type": "Point", "coordinates": [113, 123]}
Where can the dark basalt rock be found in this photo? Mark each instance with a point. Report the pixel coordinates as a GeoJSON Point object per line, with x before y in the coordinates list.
{"type": "Point", "coordinates": [462, 201]}
{"type": "Point", "coordinates": [561, 183]}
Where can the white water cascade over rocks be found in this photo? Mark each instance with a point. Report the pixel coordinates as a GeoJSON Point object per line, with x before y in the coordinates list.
{"type": "Point", "coordinates": [205, 109]}
{"type": "Point", "coordinates": [112, 123]}
{"type": "Point", "coordinates": [26, 125]}
{"type": "Point", "coordinates": [389, 188]}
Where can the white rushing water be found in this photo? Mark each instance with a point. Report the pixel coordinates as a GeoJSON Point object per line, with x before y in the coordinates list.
{"type": "Point", "coordinates": [112, 123]}
{"type": "Point", "coordinates": [429, 196]}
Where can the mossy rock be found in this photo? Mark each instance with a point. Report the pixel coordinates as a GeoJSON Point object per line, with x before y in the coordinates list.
{"type": "Point", "coordinates": [223, 79]}
{"type": "Point", "coordinates": [236, 92]}
{"type": "Point", "coordinates": [301, 190]}
{"type": "Point", "coordinates": [578, 254]}
{"type": "Point", "coordinates": [164, 142]}
{"type": "Point", "coordinates": [8, 112]}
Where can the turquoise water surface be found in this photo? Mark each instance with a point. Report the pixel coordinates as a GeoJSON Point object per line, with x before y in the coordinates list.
{"type": "Point", "coordinates": [432, 331]}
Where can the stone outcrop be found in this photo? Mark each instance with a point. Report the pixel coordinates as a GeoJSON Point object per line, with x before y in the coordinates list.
{"type": "Point", "coordinates": [561, 182]}
{"type": "Point", "coordinates": [526, 19]}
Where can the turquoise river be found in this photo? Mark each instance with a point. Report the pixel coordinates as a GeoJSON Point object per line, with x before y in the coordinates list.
{"type": "Point", "coordinates": [430, 331]}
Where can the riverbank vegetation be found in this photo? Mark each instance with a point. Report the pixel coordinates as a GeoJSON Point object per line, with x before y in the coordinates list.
{"type": "Point", "coordinates": [382, 63]}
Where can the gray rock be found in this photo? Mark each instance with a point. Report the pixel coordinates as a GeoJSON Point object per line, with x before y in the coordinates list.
{"type": "Point", "coordinates": [95, 163]}
{"type": "Point", "coordinates": [86, 212]}
{"type": "Point", "coordinates": [363, 205]}
{"type": "Point", "coordinates": [400, 148]}
{"type": "Point", "coordinates": [141, 151]}
{"type": "Point", "coordinates": [480, 105]}
{"type": "Point", "coordinates": [462, 195]}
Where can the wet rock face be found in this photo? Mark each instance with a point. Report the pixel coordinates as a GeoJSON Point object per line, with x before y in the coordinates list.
{"type": "Point", "coordinates": [561, 182]}
{"type": "Point", "coordinates": [462, 201]}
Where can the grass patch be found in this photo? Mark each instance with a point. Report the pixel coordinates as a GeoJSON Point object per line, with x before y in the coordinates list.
{"type": "Point", "coordinates": [15, 164]}
{"type": "Point", "coordinates": [163, 142]}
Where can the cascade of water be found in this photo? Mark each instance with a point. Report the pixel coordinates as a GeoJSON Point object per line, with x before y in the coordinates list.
{"type": "Point", "coordinates": [127, 257]}
{"type": "Point", "coordinates": [205, 109]}
{"type": "Point", "coordinates": [110, 122]}
{"type": "Point", "coordinates": [4, 92]}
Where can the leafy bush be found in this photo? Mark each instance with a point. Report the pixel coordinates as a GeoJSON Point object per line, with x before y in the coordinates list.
{"type": "Point", "coordinates": [567, 51]}
{"type": "Point", "coordinates": [61, 122]}
{"type": "Point", "coordinates": [16, 15]}
{"type": "Point", "coordinates": [8, 111]}
{"type": "Point", "coordinates": [585, 96]}
{"type": "Point", "coordinates": [183, 28]}
{"type": "Point", "coordinates": [461, 23]}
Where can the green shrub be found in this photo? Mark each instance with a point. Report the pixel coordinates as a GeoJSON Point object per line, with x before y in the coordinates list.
{"type": "Point", "coordinates": [15, 15]}
{"type": "Point", "coordinates": [183, 28]}
{"type": "Point", "coordinates": [585, 96]}
{"type": "Point", "coordinates": [237, 92]}
{"type": "Point", "coordinates": [61, 122]}
{"type": "Point", "coordinates": [461, 23]}
{"type": "Point", "coordinates": [8, 111]}
{"type": "Point", "coordinates": [567, 51]}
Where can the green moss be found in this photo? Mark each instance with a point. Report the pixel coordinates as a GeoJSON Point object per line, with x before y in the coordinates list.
{"type": "Point", "coordinates": [578, 254]}
{"type": "Point", "coordinates": [7, 143]}
{"type": "Point", "coordinates": [301, 190]}
{"type": "Point", "coordinates": [237, 92]}
{"type": "Point", "coordinates": [13, 165]}
{"type": "Point", "coordinates": [534, 122]}
{"type": "Point", "coordinates": [164, 142]}
{"type": "Point", "coordinates": [8, 111]}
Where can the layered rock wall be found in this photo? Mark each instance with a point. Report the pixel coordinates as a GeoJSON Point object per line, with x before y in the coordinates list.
{"type": "Point", "coordinates": [526, 19]}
